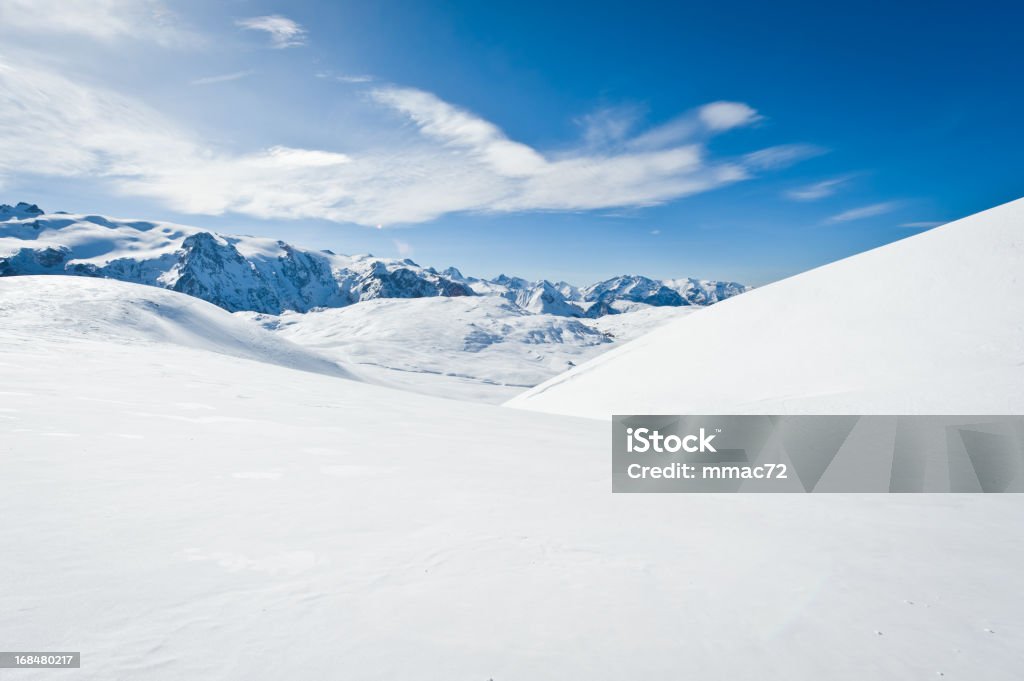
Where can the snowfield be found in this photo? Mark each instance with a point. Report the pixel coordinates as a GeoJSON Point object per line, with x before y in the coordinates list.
{"type": "Point", "coordinates": [933, 324]}
{"type": "Point", "coordinates": [178, 507]}
{"type": "Point", "coordinates": [485, 349]}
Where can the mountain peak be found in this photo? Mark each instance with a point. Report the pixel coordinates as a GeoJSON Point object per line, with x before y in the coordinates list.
{"type": "Point", "coordinates": [19, 211]}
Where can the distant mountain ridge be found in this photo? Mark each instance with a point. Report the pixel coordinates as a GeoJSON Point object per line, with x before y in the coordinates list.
{"type": "Point", "coordinates": [270, 276]}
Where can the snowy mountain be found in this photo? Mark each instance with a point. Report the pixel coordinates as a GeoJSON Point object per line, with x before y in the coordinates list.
{"type": "Point", "coordinates": [170, 502]}
{"type": "Point", "coordinates": [606, 297]}
{"type": "Point", "coordinates": [20, 211]}
{"type": "Point", "coordinates": [635, 289]}
{"type": "Point", "coordinates": [270, 276]}
{"type": "Point", "coordinates": [235, 273]}
{"type": "Point", "coordinates": [932, 324]}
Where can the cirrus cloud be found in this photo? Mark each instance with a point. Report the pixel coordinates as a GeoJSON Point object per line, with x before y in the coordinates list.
{"type": "Point", "coordinates": [106, 21]}
{"type": "Point", "coordinates": [817, 190]}
{"type": "Point", "coordinates": [869, 211]}
{"type": "Point", "coordinates": [283, 31]}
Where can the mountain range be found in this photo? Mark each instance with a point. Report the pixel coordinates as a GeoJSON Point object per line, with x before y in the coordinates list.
{"type": "Point", "coordinates": [247, 273]}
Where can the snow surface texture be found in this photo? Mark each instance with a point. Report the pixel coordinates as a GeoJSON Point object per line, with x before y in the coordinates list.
{"type": "Point", "coordinates": [269, 276]}
{"type": "Point", "coordinates": [933, 324]}
{"type": "Point", "coordinates": [476, 348]}
{"type": "Point", "coordinates": [176, 513]}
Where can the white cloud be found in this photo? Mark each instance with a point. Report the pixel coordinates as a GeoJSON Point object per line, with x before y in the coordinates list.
{"type": "Point", "coordinates": [440, 159]}
{"type": "Point", "coordinates": [459, 129]}
{"type": "Point", "coordinates": [864, 212]}
{"type": "Point", "coordinates": [720, 116]}
{"type": "Point", "coordinates": [224, 78]}
{"type": "Point", "coordinates": [709, 119]}
{"type": "Point", "coordinates": [817, 190]}
{"type": "Point", "coordinates": [924, 224]}
{"type": "Point", "coordinates": [782, 156]}
{"type": "Point", "coordinates": [103, 20]}
{"type": "Point", "coordinates": [346, 78]}
{"type": "Point", "coordinates": [283, 31]}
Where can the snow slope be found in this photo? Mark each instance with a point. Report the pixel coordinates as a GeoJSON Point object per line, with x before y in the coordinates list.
{"type": "Point", "coordinates": [933, 324]}
{"type": "Point", "coordinates": [476, 348]}
{"type": "Point", "coordinates": [101, 310]}
{"type": "Point", "coordinates": [175, 513]}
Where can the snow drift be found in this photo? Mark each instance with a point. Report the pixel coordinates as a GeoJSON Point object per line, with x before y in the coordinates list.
{"type": "Point", "coordinates": [933, 324]}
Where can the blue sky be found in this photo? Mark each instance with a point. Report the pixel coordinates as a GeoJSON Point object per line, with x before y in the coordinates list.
{"type": "Point", "coordinates": [744, 141]}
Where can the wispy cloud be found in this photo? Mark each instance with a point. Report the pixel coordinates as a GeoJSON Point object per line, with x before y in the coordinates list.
{"type": "Point", "coordinates": [712, 118]}
{"type": "Point", "coordinates": [608, 126]}
{"type": "Point", "coordinates": [224, 78]}
{"type": "Point", "coordinates": [438, 159]}
{"type": "Point", "coordinates": [863, 212]}
{"type": "Point", "coordinates": [283, 31]}
{"type": "Point", "coordinates": [782, 156]}
{"type": "Point", "coordinates": [924, 224]}
{"type": "Point", "coordinates": [346, 78]}
{"type": "Point", "coordinates": [103, 20]}
{"type": "Point", "coordinates": [817, 190]}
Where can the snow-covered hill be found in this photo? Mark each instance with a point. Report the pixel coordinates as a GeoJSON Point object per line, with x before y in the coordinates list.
{"type": "Point", "coordinates": [482, 348]}
{"type": "Point", "coordinates": [69, 310]}
{"type": "Point", "coordinates": [931, 324]}
{"type": "Point", "coordinates": [176, 513]}
{"type": "Point", "coordinates": [271, 276]}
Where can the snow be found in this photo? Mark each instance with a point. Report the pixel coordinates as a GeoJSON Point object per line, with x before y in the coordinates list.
{"type": "Point", "coordinates": [932, 324]}
{"type": "Point", "coordinates": [34, 307]}
{"type": "Point", "coordinates": [176, 512]}
{"type": "Point", "coordinates": [471, 348]}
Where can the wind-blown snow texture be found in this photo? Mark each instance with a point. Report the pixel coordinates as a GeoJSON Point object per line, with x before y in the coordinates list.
{"type": "Point", "coordinates": [268, 276]}
{"type": "Point", "coordinates": [933, 324]}
{"type": "Point", "coordinates": [176, 513]}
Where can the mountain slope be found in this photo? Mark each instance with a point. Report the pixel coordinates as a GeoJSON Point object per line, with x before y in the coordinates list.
{"type": "Point", "coordinates": [72, 309]}
{"type": "Point", "coordinates": [930, 324]}
{"type": "Point", "coordinates": [168, 504]}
